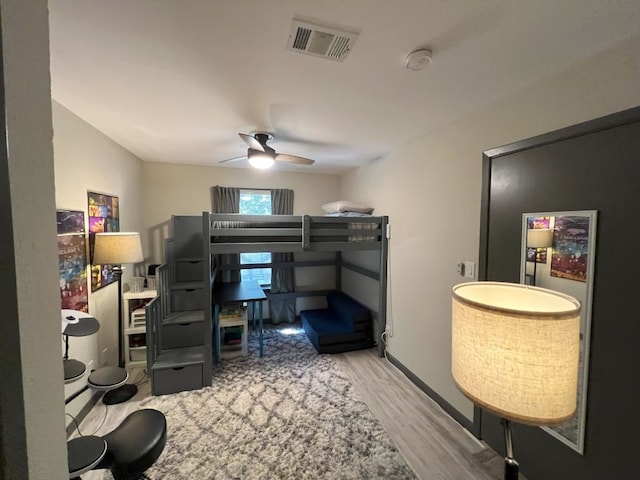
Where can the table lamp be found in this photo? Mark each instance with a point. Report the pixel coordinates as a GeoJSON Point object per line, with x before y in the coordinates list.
{"type": "Point", "coordinates": [515, 354]}
{"type": "Point", "coordinates": [117, 248]}
{"type": "Point", "coordinates": [538, 238]}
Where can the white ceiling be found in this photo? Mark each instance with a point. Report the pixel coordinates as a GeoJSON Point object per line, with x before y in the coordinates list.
{"type": "Point", "coordinates": [175, 81]}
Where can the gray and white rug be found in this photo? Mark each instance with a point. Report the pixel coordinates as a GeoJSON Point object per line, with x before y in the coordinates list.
{"type": "Point", "coordinates": [289, 415]}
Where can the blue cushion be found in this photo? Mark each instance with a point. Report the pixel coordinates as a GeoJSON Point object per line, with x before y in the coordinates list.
{"type": "Point", "coordinates": [324, 321]}
{"type": "Point", "coordinates": [347, 309]}
{"type": "Point", "coordinates": [345, 325]}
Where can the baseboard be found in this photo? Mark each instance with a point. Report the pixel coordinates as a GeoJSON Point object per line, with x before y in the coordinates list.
{"type": "Point", "coordinates": [446, 406]}
{"type": "Point", "coordinates": [83, 412]}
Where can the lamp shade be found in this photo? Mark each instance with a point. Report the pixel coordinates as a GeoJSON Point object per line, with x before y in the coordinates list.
{"type": "Point", "coordinates": [116, 248]}
{"type": "Point", "coordinates": [539, 237]}
{"type": "Point", "coordinates": [515, 350]}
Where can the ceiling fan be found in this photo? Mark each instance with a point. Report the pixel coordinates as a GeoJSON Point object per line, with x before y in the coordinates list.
{"type": "Point", "coordinates": [262, 156]}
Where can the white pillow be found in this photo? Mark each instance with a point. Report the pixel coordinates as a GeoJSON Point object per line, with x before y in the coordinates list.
{"type": "Point", "coordinates": [345, 206]}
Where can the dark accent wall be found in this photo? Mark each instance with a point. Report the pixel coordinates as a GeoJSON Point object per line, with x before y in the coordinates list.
{"type": "Point", "coordinates": [591, 166]}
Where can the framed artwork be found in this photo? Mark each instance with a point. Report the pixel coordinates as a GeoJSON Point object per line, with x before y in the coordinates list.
{"type": "Point", "coordinates": [538, 255]}
{"type": "Point", "coordinates": [569, 258]}
{"type": "Point", "coordinates": [72, 260]}
{"type": "Point", "coordinates": [104, 216]}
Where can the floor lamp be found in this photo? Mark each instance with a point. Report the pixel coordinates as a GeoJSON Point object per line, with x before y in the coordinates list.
{"type": "Point", "coordinates": [538, 238]}
{"type": "Point", "coordinates": [115, 249]}
{"type": "Point", "coordinates": [515, 354]}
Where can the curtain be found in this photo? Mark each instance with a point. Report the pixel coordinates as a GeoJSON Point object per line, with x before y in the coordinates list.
{"type": "Point", "coordinates": [226, 200]}
{"type": "Point", "coordinates": [282, 278]}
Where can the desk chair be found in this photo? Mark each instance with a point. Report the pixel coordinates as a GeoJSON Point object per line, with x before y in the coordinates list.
{"type": "Point", "coordinates": [128, 451]}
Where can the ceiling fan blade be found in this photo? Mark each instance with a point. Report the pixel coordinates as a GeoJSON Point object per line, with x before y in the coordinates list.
{"type": "Point", "coordinates": [244, 157]}
{"type": "Point", "coordinates": [283, 157]}
{"type": "Point", "coordinates": [251, 141]}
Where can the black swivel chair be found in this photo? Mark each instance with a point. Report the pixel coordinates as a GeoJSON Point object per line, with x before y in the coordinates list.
{"type": "Point", "coordinates": [128, 451]}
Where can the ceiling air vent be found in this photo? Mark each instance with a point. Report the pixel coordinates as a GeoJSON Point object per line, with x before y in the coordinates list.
{"type": "Point", "coordinates": [331, 42]}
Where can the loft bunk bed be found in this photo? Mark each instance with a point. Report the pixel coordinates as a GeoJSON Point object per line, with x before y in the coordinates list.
{"type": "Point", "coordinates": [343, 235]}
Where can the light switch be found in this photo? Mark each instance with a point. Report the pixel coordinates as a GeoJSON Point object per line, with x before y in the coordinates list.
{"type": "Point", "coordinates": [469, 269]}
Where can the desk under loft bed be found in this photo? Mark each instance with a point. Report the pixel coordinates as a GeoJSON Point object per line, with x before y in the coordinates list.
{"type": "Point", "coordinates": [345, 238]}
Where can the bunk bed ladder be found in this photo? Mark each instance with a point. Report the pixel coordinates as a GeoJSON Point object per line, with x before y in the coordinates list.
{"type": "Point", "coordinates": [179, 337]}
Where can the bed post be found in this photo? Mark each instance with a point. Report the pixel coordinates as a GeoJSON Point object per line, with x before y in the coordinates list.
{"type": "Point", "coordinates": [212, 331]}
{"type": "Point", "coordinates": [382, 284]}
{"type": "Point", "coordinates": [339, 271]}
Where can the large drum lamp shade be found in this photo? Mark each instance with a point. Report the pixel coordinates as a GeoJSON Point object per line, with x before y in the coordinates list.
{"type": "Point", "coordinates": [539, 237]}
{"type": "Point", "coordinates": [515, 350]}
{"type": "Point", "coordinates": [117, 248]}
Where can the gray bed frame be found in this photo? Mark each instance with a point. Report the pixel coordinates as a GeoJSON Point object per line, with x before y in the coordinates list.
{"type": "Point", "coordinates": [300, 233]}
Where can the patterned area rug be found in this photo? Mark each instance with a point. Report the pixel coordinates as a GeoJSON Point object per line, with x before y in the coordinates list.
{"type": "Point", "coordinates": [289, 415]}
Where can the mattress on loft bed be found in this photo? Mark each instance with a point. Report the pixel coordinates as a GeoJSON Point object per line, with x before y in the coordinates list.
{"type": "Point", "coordinates": [358, 226]}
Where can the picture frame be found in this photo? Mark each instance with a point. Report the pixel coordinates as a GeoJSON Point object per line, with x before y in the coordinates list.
{"type": "Point", "coordinates": [72, 260]}
{"type": "Point", "coordinates": [104, 216]}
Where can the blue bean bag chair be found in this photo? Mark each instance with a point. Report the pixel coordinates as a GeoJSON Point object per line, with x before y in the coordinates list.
{"type": "Point", "coordinates": [343, 326]}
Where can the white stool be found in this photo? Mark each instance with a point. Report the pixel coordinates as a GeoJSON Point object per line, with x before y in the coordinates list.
{"type": "Point", "coordinates": [232, 351]}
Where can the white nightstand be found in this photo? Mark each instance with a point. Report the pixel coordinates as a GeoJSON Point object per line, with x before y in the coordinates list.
{"type": "Point", "coordinates": [134, 328]}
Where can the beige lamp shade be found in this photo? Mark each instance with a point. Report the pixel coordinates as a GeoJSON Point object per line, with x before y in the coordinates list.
{"type": "Point", "coordinates": [116, 248]}
{"type": "Point", "coordinates": [515, 350]}
{"type": "Point", "coordinates": [539, 237]}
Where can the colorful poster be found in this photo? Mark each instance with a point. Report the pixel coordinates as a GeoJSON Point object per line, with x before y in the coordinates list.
{"type": "Point", "coordinates": [104, 216]}
{"type": "Point", "coordinates": [72, 260]}
{"type": "Point", "coordinates": [570, 248]}
{"type": "Point", "coordinates": [70, 221]}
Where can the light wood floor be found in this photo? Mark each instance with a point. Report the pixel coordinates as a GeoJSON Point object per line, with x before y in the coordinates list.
{"type": "Point", "coordinates": [432, 443]}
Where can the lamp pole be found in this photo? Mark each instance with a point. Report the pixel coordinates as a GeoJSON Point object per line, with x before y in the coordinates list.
{"type": "Point", "coordinates": [510, 463]}
{"type": "Point", "coordinates": [116, 248]}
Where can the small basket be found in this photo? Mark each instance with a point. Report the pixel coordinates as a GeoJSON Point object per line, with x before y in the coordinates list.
{"type": "Point", "coordinates": [136, 284]}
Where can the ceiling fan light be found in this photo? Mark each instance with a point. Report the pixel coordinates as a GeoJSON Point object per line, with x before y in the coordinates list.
{"type": "Point", "coordinates": [261, 161]}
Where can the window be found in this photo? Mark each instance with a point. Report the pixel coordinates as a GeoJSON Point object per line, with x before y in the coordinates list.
{"type": "Point", "coordinates": [255, 202]}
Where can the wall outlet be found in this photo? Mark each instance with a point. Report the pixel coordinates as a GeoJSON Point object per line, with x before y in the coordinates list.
{"type": "Point", "coordinates": [460, 269]}
{"type": "Point", "coordinates": [389, 329]}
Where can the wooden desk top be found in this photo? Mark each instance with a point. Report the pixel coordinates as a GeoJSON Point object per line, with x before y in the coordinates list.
{"type": "Point", "coordinates": [245, 291]}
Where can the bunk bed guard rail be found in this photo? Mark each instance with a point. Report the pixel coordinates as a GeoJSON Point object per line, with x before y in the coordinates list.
{"type": "Point", "coordinates": [236, 233]}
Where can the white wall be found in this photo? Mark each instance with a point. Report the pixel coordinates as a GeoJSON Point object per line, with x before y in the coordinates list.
{"type": "Point", "coordinates": [32, 437]}
{"type": "Point", "coordinates": [171, 189]}
{"type": "Point", "coordinates": [431, 190]}
{"type": "Point", "coordinates": [86, 160]}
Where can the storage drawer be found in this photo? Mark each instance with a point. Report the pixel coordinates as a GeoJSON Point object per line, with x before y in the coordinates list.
{"type": "Point", "coordinates": [190, 271]}
{"type": "Point", "coordinates": [183, 335]}
{"type": "Point", "coordinates": [138, 354]}
{"type": "Point", "coordinates": [184, 300]}
{"type": "Point", "coordinates": [187, 234]}
{"type": "Point", "coordinates": [174, 380]}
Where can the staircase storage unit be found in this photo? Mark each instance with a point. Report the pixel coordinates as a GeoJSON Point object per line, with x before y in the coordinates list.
{"type": "Point", "coordinates": [178, 329]}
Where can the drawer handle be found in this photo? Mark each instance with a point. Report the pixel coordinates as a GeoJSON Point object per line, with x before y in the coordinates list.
{"type": "Point", "coordinates": [178, 368]}
{"type": "Point", "coordinates": [184, 324]}
{"type": "Point", "coordinates": [189, 289]}
{"type": "Point", "coordinates": [194, 261]}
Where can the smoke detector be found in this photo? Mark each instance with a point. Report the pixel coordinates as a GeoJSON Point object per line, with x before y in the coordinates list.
{"type": "Point", "coordinates": [325, 41]}
{"type": "Point", "coordinates": [418, 59]}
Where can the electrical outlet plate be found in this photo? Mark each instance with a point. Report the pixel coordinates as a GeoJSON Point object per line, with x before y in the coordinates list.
{"type": "Point", "coordinates": [469, 270]}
